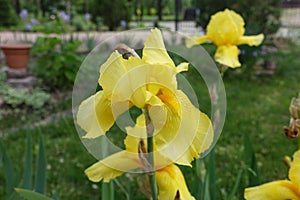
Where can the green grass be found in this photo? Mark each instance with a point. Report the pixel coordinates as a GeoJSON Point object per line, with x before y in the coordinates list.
{"type": "Point", "coordinates": [256, 106]}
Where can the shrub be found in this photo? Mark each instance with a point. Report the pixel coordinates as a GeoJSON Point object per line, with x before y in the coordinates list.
{"type": "Point", "coordinates": [260, 16]}
{"type": "Point", "coordinates": [29, 98]}
{"type": "Point", "coordinates": [35, 99]}
{"type": "Point", "coordinates": [57, 61]}
{"type": "Point", "coordinates": [82, 24]}
{"type": "Point", "coordinates": [112, 12]}
{"type": "Point", "coordinates": [59, 23]}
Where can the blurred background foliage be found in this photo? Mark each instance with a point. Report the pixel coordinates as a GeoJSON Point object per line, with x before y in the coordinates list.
{"type": "Point", "coordinates": [261, 16]}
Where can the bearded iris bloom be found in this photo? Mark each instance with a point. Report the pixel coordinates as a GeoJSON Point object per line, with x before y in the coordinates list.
{"type": "Point", "coordinates": [148, 82]}
{"type": "Point", "coordinates": [226, 30]}
{"type": "Point", "coordinates": [279, 190]}
{"type": "Point", "coordinates": [181, 131]}
{"type": "Point", "coordinates": [168, 176]}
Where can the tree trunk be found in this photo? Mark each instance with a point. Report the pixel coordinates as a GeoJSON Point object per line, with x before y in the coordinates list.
{"type": "Point", "coordinates": [43, 9]}
{"type": "Point", "coordinates": [68, 7]}
{"type": "Point", "coordinates": [159, 9]}
{"type": "Point", "coordinates": [17, 6]}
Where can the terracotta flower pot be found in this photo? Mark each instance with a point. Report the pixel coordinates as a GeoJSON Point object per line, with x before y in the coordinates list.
{"type": "Point", "coordinates": [16, 55]}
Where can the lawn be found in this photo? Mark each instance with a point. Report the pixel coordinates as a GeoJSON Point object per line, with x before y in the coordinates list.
{"type": "Point", "coordinates": [257, 106]}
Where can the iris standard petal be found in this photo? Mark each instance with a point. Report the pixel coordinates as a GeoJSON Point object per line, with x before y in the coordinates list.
{"type": "Point", "coordinates": [113, 166]}
{"type": "Point", "coordinates": [191, 41]}
{"type": "Point", "coordinates": [225, 28]}
{"type": "Point", "coordinates": [154, 51]}
{"type": "Point", "coordinates": [114, 69]}
{"type": "Point", "coordinates": [111, 71]}
{"type": "Point", "coordinates": [277, 190]}
{"type": "Point", "coordinates": [254, 40]}
{"type": "Point", "coordinates": [134, 84]}
{"type": "Point", "coordinates": [169, 181]}
{"type": "Point", "coordinates": [95, 115]}
{"type": "Point", "coordinates": [228, 55]}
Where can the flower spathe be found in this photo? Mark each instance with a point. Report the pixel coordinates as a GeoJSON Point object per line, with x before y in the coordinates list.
{"type": "Point", "coordinates": [279, 190]}
{"type": "Point", "coordinates": [226, 30]}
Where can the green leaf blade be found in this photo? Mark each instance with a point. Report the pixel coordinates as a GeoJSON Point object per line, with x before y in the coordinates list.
{"type": "Point", "coordinates": [31, 195]}
{"type": "Point", "coordinates": [9, 172]}
{"type": "Point", "coordinates": [27, 184]}
{"type": "Point", "coordinates": [40, 181]}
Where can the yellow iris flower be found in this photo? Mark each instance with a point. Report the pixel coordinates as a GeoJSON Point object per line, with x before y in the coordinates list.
{"type": "Point", "coordinates": [226, 30]}
{"type": "Point", "coordinates": [168, 176]}
{"type": "Point", "coordinates": [279, 190]}
{"type": "Point", "coordinates": [181, 131]}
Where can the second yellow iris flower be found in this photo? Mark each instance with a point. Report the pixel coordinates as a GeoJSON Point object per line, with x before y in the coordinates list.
{"type": "Point", "coordinates": [226, 30]}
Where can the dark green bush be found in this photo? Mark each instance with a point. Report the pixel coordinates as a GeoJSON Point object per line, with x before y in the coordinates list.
{"type": "Point", "coordinates": [260, 16]}
{"type": "Point", "coordinates": [57, 61]}
{"type": "Point", "coordinates": [112, 12]}
{"type": "Point", "coordinates": [8, 16]}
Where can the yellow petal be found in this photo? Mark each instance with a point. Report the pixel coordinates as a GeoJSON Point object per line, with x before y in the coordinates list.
{"type": "Point", "coordinates": [191, 41]}
{"type": "Point", "coordinates": [254, 40]}
{"type": "Point", "coordinates": [277, 190]}
{"type": "Point", "coordinates": [186, 133]}
{"type": "Point", "coordinates": [182, 67]}
{"type": "Point", "coordinates": [228, 55]}
{"type": "Point", "coordinates": [113, 166]}
{"type": "Point", "coordinates": [169, 180]}
{"type": "Point", "coordinates": [225, 28]}
{"type": "Point", "coordinates": [111, 71]}
{"type": "Point", "coordinates": [134, 134]}
{"type": "Point", "coordinates": [132, 145]}
{"type": "Point", "coordinates": [139, 97]}
{"type": "Point", "coordinates": [154, 51]}
{"type": "Point", "coordinates": [294, 174]}
{"type": "Point", "coordinates": [114, 69]}
{"type": "Point", "coordinates": [159, 116]}
{"type": "Point", "coordinates": [204, 136]}
{"type": "Point", "coordinates": [296, 156]}
{"type": "Point", "coordinates": [199, 128]}
{"type": "Point", "coordinates": [133, 84]}
{"type": "Point", "coordinates": [95, 115]}
{"type": "Point", "coordinates": [181, 131]}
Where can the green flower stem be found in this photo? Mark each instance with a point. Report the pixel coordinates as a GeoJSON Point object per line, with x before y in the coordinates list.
{"type": "Point", "coordinates": [150, 167]}
{"type": "Point", "coordinates": [222, 69]}
{"type": "Point", "coordinates": [151, 174]}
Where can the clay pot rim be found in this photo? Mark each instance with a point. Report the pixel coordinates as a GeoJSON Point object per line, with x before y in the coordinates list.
{"type": "Point", "coordinates": [15, 46]}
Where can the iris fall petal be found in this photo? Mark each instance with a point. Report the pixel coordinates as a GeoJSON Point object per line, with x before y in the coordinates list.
{"type": "Point", "coordinates": [169, 181]}
{"type": "Point", "coordinates": [228, 55]}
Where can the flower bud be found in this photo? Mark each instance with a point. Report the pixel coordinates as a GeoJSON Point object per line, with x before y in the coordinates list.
{"type": "Point", "coordinates": [295, 108]}
{"type": "Point", "coordinates": [294, 128]}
